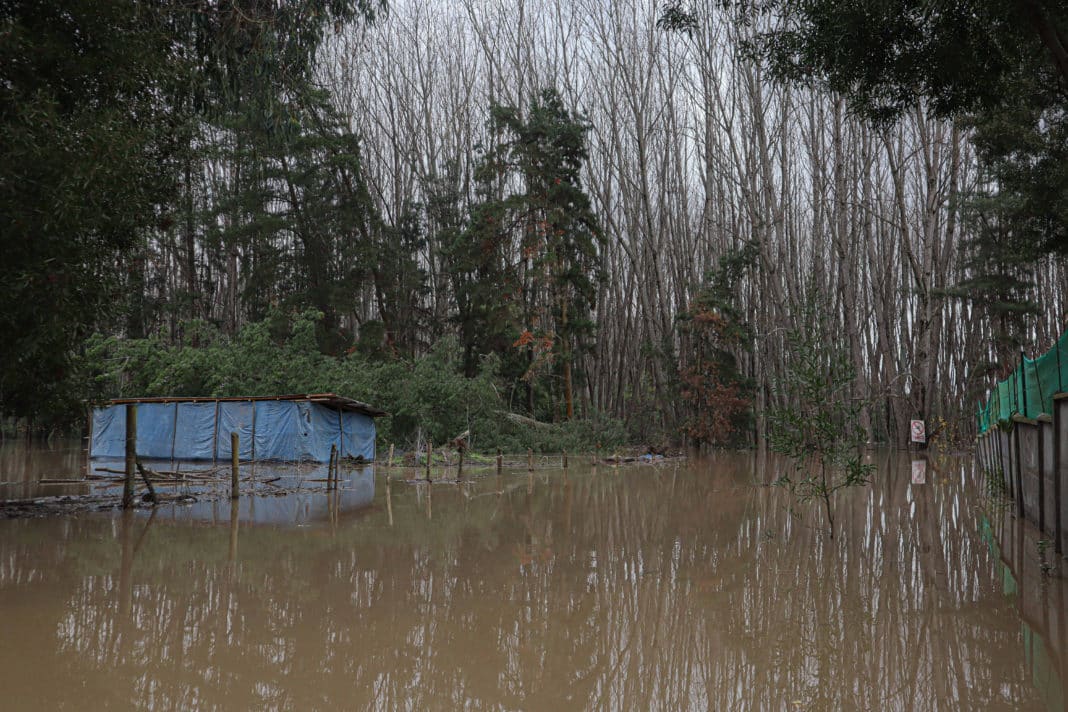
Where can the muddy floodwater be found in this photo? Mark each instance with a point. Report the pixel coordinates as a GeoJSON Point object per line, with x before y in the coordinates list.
{"type": "Point", "coordinates": [680, 586]}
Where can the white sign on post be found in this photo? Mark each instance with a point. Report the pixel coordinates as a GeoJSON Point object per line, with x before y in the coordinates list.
{"type": "Point", "coordinates": [919, 432]}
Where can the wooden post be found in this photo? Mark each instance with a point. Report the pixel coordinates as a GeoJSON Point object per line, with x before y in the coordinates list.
{"type": "Point", "coordinates": [235, 450]}
{"type": "Point", "coordinates": [500, 461]}
{"type": "Point", "coordinates": [331, 472]}
{"type": "Point", "coordinates": [429, 453]}
{"type": "Point", "coordinates": [148, 483]}
{"type": "Point", "coordinates": [1018, 467]}
{"type": "Point", "coordinates": [596, 455]}
{"type": "Point", "coordinates": [389, 463]}
{"type": "Point", "coordinates": [129, 550]}
{"type": "Point", "coordinates": [460, 468]}
{"type": "Point", "coordinates": [235, 515]}
{"type": "Point", "coordinates": [999, 455]}
{"type": "Point", "coordinates": [1040, 437]}
{"type": "Point", "coordinates": [530, 460]}
{"type": "Point", "coordinates": [389, 500]}
{"type": "Point", "coordinates": [565, 459]}
{"type": "Point", "coordinates": [131, 455]}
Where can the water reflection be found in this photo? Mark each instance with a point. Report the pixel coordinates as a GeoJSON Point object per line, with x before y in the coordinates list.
{"type": "Point", "coordinates": [277, 494]}
{"type": "Point", "coordinates": [1041, 599]}
{"type": "Point", "coordinates": [272, 493]}
{"type": "Point", "coordinates": [634, 588]}
{"type": "Point", "coordinates": [24, 464]}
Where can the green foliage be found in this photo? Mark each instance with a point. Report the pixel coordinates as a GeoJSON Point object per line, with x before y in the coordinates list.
{"type": "Point", "coordinates": [717, 395]}
{"type": "Point", "coordinates": [82, 136]}
{"type": "Point", "coordinates": [819, 428]}
{"type": "Point", "coordinates": [428, 396]}
{"type": "Point", "coordinates": [103, 109]}
{"type": "Point", "coordinates": [532, 196]}
{"type": "Point", "coordinates": [994, 487]}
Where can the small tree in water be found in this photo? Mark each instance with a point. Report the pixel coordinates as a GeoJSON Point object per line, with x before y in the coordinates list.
{"type": "Point", "coordinates": [818, 425]}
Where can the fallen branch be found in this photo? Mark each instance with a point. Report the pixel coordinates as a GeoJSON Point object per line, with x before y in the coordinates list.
{"type": "Point", "coordinates": [151, 497]}
{"type": "Point", "coordinates": [523, 420]}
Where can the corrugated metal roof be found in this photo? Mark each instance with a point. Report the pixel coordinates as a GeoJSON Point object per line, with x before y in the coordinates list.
{"type": "Point", "coordinates": [331, 400]}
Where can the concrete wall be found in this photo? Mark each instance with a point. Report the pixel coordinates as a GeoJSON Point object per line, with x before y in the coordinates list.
{"type": "Point", "coordinates": [1048, 480]}
{"type": "Point", "coordinates": [1032, 461]}
{"type": "Point", "coordinates": [1060, 465]}
{"type": "Point", "coordinates": [1027, 446]}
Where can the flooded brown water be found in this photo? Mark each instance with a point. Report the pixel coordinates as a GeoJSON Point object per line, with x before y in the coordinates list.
{"type": "Point", "coordinates": [672, 587]}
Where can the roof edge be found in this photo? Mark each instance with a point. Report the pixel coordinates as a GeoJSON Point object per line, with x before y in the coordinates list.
{"type": "Point", "coordinates": [328, 399]}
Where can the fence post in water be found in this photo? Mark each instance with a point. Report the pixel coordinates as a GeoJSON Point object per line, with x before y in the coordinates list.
{"type": "Point", "coordinates": [429, 452]}
{"type": "Point", "coordinates": [565, 459]}
{"type": "Point", "coordinates": [1040, 435]}
{"type": "Point", "coordinates": [234, 519]}
{"type": "Point", "coordinates": [500, 461]}
{"type": "Point", "coordinates": [331, 470]}
{"type": "Point", "coordinates": [530, 460]}
{"type": "Point", "coordinates": [389, 499]}
{"type": "Point", "coordinates": [131, 455]}
{"type": "Point", "coordinates": [235, 450]}
{"type": "Point", "coordinates": [460, 468]}
{"type": "Point", "coordinates": [389, 463]}
{"type": "Point", "coordinates": [1018, 475]}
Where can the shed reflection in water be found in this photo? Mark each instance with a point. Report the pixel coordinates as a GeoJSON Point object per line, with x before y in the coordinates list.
{"type": "Point", "coordinates": [684, 587]}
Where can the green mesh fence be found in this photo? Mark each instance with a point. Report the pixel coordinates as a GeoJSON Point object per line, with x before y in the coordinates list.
{"type": "Point", "coordinates": [1029, 390]}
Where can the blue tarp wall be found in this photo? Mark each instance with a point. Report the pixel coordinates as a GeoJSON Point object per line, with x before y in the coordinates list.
{"type": "Point", "coordinates": [286, 430]}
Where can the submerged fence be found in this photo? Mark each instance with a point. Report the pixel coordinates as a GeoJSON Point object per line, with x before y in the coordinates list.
{"type": "Point", "coordinates": [1029, 389]}
{"type": "Point", "coordinates": [1023, 441]}
{"type": "Point", "coordinates": [1028, 459]}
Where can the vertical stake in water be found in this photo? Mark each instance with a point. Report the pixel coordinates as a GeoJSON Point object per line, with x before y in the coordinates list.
{"type": "Point", "coordinates": [131, 455]}
{"type": "Point", "coordinates": [331, 472]}
{"type": "Point", "coordinates": [565, 459]}
{"type": "Point", "coordinates": [234, 518]}
{"type": "Point", "coordinates": [530, 460]}
{"type": "Point", "coordinates": [500, 461]}
{"type": "Point", "coordinates": [389, 463]}
{"type": "Point", "coordinates": [234, 452]}
{"type": "Point", "coordinates": [429, 452]}
{"type": "Point", "coordinates": [389, 498]}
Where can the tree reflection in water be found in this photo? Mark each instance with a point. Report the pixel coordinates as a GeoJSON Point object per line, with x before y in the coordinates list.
{"type": "Point", "coordinates": [686, 587]}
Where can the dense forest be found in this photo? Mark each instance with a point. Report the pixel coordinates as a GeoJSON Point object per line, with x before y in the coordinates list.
{"type": "Point", "coordinates": [605, 217]}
